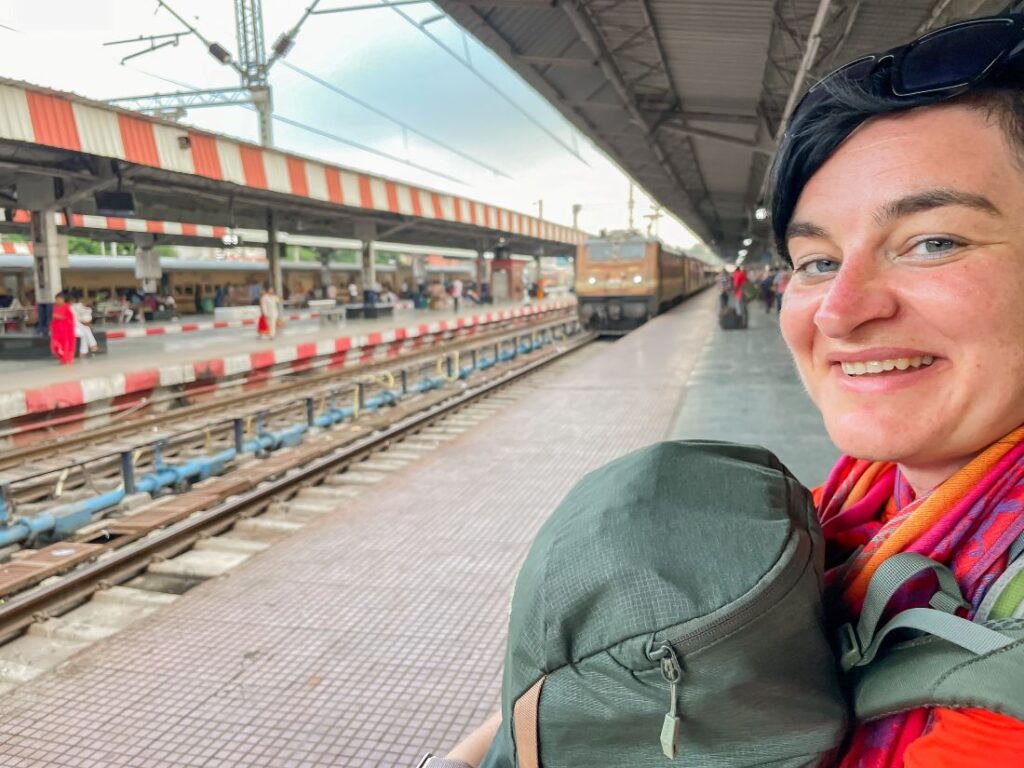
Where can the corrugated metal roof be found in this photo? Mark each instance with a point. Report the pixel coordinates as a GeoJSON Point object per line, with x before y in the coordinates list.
{"type": "Point", "coordinates": [673, 89]}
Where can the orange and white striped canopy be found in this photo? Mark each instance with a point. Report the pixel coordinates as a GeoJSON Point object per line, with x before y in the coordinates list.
{"type": "Point", "coordinates": [48, 118]}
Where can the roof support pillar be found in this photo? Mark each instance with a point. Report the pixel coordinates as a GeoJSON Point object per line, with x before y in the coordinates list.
{"type": "Point", "coordinates": [324, 255]}
{"type": "Point", "coordinates": [46, 262]}
{"type": "Point", "coordinates": [483, 279]}
{"type": "Point", "coordinates": [367, 232]}
{"type": "Point", "coordinates": [274, 255]}
{"type": "Point", "coordinates": [147, 263]}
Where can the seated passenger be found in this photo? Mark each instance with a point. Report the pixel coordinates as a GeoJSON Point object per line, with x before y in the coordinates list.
{"type": "Point", "coordinates": [898, 202]}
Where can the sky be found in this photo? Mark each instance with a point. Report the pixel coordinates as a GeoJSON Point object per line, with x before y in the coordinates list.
{"type": "Point", "coordinates": [471, 125]}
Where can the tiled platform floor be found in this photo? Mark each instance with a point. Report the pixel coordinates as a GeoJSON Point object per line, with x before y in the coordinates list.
{"type": "Point", "coordinates": [378, 632]}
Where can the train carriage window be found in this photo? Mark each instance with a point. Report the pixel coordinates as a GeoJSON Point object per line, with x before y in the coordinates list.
{"type": "Point", "coordinates": [612, 250]}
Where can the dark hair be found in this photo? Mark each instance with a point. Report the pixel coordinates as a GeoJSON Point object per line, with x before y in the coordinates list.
{"type": "Point", "coordinates": [815, 138]}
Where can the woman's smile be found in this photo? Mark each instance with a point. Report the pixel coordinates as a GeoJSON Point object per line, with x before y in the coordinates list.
{"type": "Point", "coordinates": [877, 375]}
{"type": "Point", "coordinates": [903, 314]}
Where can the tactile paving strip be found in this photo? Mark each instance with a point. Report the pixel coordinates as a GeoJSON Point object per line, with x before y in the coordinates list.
{"type": "Point", "coordinates": [377, 633]}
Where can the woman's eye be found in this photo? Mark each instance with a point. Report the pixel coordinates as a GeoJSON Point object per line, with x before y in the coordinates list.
{"type": "Point", "coordinates": [815, 267]}
{"type": "Point", "coordinates": [934, 246]}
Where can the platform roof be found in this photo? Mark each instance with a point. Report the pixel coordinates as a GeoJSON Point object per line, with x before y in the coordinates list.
{"type": "Point", "coordinates": [182, 174]}
{"type": "Point", "coordinates": [687, 96]}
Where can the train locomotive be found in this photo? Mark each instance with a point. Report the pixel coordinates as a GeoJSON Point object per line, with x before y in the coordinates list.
{"type": "Point", "coordinates": [625, 279]}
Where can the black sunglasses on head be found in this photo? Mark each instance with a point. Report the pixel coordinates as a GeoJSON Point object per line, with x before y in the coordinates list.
{"type": "Point", "coordinates": [938, 65]}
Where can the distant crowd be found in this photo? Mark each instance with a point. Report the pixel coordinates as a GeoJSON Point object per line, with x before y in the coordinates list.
{"type": "Point", "coordinates": [741, 287]}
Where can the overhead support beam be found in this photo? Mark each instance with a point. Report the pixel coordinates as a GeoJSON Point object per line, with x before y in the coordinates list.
{"type": "Point", "coordinates": [219, 97]}
{"type": "Point", "coordinates": [592, 39]}
{"type": "Point", "coordinates": [735, 141]}
{"type": "Point", "coordinates": [806, 63]}
{"type": "Point", "coordinates": [99, 185]}
{"type": "Point", "coordinates": [558, 61]}
{"type": "Point", "coordinates": [716, 117]}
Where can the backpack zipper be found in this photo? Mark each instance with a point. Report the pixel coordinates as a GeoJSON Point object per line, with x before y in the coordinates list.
{"type": "Point", "coordinates": [781, 578]}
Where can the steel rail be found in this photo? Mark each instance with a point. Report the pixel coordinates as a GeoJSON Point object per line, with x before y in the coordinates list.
{"type": "Point", "coordinates": [117, 565]}
{"type": "Point", "coordinates": [46, 448]}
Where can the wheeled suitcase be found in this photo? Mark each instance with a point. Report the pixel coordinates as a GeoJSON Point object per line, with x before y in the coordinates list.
{"type": "Point", "coordinates": [730, 320]}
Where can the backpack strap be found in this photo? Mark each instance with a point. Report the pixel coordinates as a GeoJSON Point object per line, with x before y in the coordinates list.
{"type": "Point", "coordinates": [956, 662]}
{"type": "Point", "coordinates": [1017, 548]}
{"type": "Point", "coordinates": [859, 646]}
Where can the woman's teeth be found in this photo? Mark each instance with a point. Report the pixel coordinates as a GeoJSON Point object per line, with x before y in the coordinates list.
{"type": "Point", "coordinates": [881, 366]}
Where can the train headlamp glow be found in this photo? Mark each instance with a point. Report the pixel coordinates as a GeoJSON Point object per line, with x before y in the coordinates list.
{"type": "Point", "coordinates": [592, 280]}
{"type": "Point", "coordinates": [637, 279]}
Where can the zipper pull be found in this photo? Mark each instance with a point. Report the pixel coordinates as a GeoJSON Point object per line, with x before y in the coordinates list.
{"type": "Point", "coordinates": [672, 671]}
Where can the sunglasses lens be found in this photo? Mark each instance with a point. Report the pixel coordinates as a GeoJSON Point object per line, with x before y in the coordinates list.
{"type": "Point", "coordinates": [820, 91]}
{"type": "Point", "coordinates": [955, 56]}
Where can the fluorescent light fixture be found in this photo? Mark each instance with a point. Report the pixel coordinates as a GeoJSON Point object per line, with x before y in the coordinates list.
{"type": "Point", "coordinates": [748, 241]}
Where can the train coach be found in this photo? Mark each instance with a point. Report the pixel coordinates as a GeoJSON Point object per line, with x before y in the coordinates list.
{"type": "Point", "coordinates": [190, 281]}
{"type": "Point", "coordinates": [624, 280]}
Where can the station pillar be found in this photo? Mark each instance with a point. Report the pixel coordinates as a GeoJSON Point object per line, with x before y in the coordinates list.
{"type": "Point", "coordinates": [325, 271]}
{"type": "Point", "coordinates": [147, 263]}
{"type": "Point", "coordinates": [49, 251]}
{"type": "Point", "coordinates": [367, 232]}
{"type": "Point", "coordinates": [483, 279]}
{"type": "Point", "coordinates": [274, 256]}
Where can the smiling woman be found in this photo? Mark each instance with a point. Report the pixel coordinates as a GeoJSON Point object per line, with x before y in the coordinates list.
{"type": "Point", "coordinates": [899, 198]}
{"type": "Point", "coordinates": [906, 290]}
{"type": "Point", "coordinates": [903, 223]}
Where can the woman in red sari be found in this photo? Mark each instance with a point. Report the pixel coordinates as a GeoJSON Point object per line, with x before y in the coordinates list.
{"type": "Point", "coordinates": [898, 199]}
{"type": "Point", "coordinates": [62, 331]}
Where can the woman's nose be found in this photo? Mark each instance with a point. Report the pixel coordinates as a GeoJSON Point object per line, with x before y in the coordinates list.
{"type": "Point", "coordinates": [857, 295]}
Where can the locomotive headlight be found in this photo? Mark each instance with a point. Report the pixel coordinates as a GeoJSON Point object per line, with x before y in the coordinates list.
{"type": "Point", "coordinates": [592, 280]}
{"type": "Point", "coordinates": [637, 279]}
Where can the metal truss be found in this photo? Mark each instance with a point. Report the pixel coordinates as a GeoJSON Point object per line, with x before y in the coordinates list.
{"type": "Point", "coordinates": [169, 102]}
{"type": "Point", "coordinates": [624, 40]}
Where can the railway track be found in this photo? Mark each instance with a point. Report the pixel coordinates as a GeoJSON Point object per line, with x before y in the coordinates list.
{"type": "Point", "coordinates": [35, 476]}
{"type": "Point", "coordinates": [166, 411]}
{"type": "Point", "coordinates": [118, 571]}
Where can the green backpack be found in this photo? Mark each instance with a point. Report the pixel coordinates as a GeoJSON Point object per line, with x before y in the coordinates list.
{"type": "Point", "coordinates": [671, 606]}
{"type": "Point", "coordinates": [670, 613]}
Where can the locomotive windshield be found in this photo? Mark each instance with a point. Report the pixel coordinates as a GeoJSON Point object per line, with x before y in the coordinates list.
{"type": "Point", "coordinates": [616, 250]}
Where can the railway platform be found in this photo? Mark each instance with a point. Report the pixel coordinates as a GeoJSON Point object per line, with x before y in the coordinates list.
{"type": "Point", "coordinates": [376, 631]}
{"type": "Point", "coordinates": [136, 367]}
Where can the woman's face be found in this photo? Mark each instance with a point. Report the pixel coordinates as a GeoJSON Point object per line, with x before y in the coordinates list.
{"type": "Point", "coordinates": [905, 314]}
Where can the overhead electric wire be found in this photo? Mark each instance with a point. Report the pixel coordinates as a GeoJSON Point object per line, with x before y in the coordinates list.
{"type": "Point", "coordinates": [318, 131]}
{"type": "Point", "coordinates": [357, 145]}
{"type": "Point", "coordinates": [515, 105]}
{"type": "Point", "coordinates": [411, 129]}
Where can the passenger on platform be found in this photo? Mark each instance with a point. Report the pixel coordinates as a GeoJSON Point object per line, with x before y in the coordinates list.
{"type": "Point", "coordinates": [83, 330]}
{"type": "Point", "coordinates": [779, 285]}
{"type": "Point", "coordinates": [724, 282]}
{"type": "Point", "coordinates": [739, 282]}
{"type": "Point", "coordinates": [353, 292]}
{"type": "Point", "coordinates": [898, 208]}
{"type": "Point", "coordinates": [62, 330]}
{"type": "Point", "coordinates": [456, 293]}
{"type": "Point", "coordinates": [270, 314]}
{"type": "Point", "coordinates": [127, 313]}
{"type": "Point", "coordinates": [332, 292]}
{"type": "Point", "coordinates": [5, 301]}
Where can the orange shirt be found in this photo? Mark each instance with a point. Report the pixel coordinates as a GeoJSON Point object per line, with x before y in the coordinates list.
{"type": "Point", "coordinates": [968, 738]}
